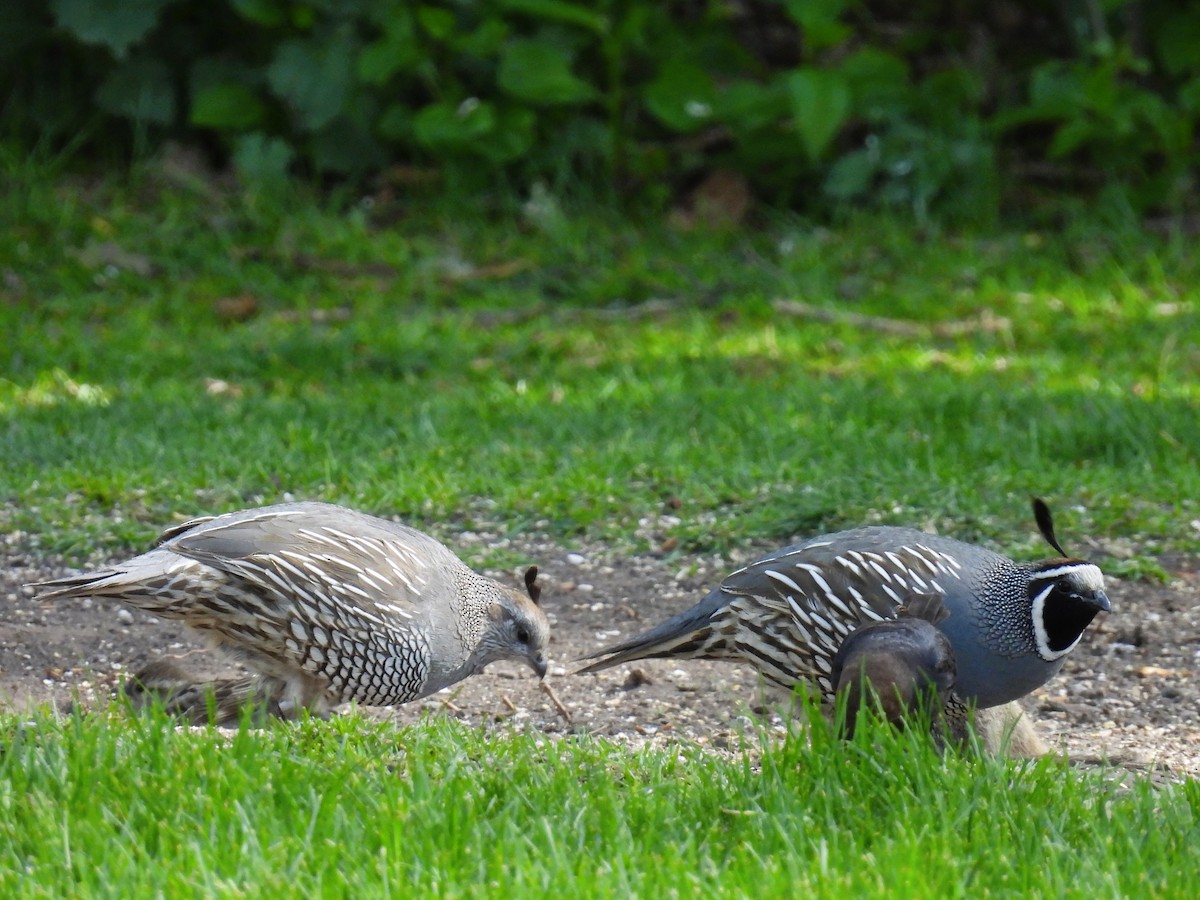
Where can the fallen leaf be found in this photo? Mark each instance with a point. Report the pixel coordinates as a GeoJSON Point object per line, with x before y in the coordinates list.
{"type": "Point", "coordinates": [236, 309]}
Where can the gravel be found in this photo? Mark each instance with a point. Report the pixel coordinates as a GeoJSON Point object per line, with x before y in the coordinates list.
{"type": "Point", "coordinates": [1128, 695]}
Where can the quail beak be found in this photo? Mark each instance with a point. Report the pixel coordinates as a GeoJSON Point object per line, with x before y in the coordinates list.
{"type": "Point", "coordinates": [1102, 603]}
{"type": "Point", "coordinates": [540, 666]}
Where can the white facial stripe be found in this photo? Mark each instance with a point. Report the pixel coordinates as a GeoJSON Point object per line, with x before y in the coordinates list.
{"type": "Point", "coordinates": [1039, 629]}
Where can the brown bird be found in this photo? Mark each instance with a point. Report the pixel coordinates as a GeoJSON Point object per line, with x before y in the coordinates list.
{"type": "Point", "coordinates": [327, 605]}
{"type": "Point", "coordinates": [901, 663]}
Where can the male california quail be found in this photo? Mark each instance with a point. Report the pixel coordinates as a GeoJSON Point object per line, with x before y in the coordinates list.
{"type": "Point", "coordinates": [1011, 624]}
{"type": "Point", "coordinates": [904, 662]}
{"type": "Point", "coordinates": [328, 604]}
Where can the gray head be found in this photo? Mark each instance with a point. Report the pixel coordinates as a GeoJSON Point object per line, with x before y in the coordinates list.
{"type": "Point", "coordinates": [904, 661]}
{"type": "Point", "coordinates": [1065, 594]}
{"type": "Point", "coordinates": [517, 629]}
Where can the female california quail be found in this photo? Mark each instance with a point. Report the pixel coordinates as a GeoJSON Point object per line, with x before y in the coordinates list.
{"type": "Point", "coordinates": [1010, 624]}
{"type": "Point", "coordinates": [328, 604]}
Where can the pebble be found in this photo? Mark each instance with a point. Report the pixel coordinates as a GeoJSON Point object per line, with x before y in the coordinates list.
{"type": "Point", "coordinates": [576, 559]}
{"type": "Point", "coordinates": [124, 616]}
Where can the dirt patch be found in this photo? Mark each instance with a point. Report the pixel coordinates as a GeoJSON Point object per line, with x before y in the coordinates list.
{"type": "Point", "coordinates": [1129, 692]}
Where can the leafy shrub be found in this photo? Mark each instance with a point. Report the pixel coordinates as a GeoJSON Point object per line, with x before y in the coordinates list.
{"type": "Point", "coordinates": [817, 103]}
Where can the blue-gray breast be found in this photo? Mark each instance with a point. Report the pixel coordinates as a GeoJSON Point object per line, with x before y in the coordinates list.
{"type": "Point", "coordinates": [1011, 624]}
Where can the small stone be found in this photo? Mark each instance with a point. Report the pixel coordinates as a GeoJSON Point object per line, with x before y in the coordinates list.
{"type": "Point", "coordinates": [125, 617]}
{"type": "Point", "coordinates": [637, 678]}
{"type": "Point", "coordinates": [585, 588]}
{"type": "Point", "coordinates": [576, 559]}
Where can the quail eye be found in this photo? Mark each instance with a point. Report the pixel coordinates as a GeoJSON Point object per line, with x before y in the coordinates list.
{"type": "Point", "coordinates": [522, 634]}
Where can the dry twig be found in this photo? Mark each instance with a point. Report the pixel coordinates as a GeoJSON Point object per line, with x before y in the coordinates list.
{"type": "Point", "coordinates": [562, 710]}
{"type": "Point", "coordinates": [987, 322]}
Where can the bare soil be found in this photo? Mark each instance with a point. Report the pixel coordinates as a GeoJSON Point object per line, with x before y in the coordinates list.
{"type": "Point", "coordinates": [1128, 695]}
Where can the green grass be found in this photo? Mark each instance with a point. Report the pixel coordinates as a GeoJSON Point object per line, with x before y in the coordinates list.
{"type": "Point", "coordinates": [109, 807]}
{"type": "Point", "coordinates": [572, 374]}
{"type": "Point", "coordinates": [457, 367]}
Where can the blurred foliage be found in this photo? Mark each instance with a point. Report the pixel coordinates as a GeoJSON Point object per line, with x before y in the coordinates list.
{"type": "Point", "coordinates": [953, 110]}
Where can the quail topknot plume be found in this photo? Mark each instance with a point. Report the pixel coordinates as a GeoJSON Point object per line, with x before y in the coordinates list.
{"type": "Point", "coordinates": [326, 604]}
{"type": "Point", "coordinates": [1010, 624]}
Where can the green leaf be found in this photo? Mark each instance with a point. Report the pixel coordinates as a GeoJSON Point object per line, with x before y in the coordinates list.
{"type": "Point", "coordinates": [851, 175]}
{"type": "Point", "coordinates": [260, 159]}
{"type": "Point", "coordinates": [396, 123]}
{"type": "Point", "coordinates": [452, 126]}
{"type": "Point", "coordinates": [1070, 137]}
{"type": "Point", "coordinates": [1055, 90]}
{"type": "Point", "coordinates": [115, 24]}
{"type": "Point", "coordinates": [1189, 96]}
{"type": "Point", "coordinates": [271, 13]}
{"type": "Point", "coordinates": [438, 23]}
{"type": "Point", "coordinates": [227, 105]}
{"type": "Point", "coordinates": [484, 42]}
{"type": "Point", "coordinates": [512, 137]}
{"type": "Point", "coordinates": [139, 89]}
{"type": "Point", "coordinates": [818, 20]}
{"type": "Point", "coordinates": [399, 50]}
{"type": "Point", "coordinates": [540, 72]}
{"type": "Point", "coordinates": [878, 82]}
{"type": "Point", "coordinates": [314, 77]}
{"type": "Point", "coordinates": [682, 96]}
{"type": "Point", "coordinates": [347, 145]}
{"type": "Point", "coordinates": [747, 106]}
{"type": "Point", "coordinates": [820, 103]}
{"type": "Point", "coordinates": [559, 11]}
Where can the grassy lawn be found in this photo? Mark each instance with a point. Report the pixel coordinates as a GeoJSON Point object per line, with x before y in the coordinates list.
{"type": "Point", "coordinates": [172, 350]}
{"type": "Point", "coordinates": [180, 351]}
{"type": "Point", "coordinates": [353, 808]}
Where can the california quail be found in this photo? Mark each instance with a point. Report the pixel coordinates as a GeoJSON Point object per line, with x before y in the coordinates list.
{"type": "Point", "coordinates": [329, 604]}
{"type": "Point", "coordinates": [1011, 624]}
{"type": "Point", "coordinates": [905, 662]}
{"type": "Point", "coordinates": [190, 696]}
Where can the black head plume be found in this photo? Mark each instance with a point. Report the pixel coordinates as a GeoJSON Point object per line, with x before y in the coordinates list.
{"type": "Point", "coordinates": [531, 585]}
{"type": "Point", "coordinates": [1045, 524]}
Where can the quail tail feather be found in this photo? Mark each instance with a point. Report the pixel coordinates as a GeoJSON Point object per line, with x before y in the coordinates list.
{"type": "Point", "coordinates": [690, 634]}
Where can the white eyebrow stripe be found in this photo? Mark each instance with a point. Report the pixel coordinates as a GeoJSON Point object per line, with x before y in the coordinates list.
{"type": "Point", "coordinates": [1072, 569]}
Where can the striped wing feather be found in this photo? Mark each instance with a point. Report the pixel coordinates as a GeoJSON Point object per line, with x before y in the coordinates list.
{"type": "Point", "coordinates": [788, 612]}
{"type": "Point", "coordinates": [374, 569]}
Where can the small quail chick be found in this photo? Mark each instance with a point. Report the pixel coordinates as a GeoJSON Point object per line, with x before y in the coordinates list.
{"type": "Point", "coordinates": [190, 696]}
{"type": "Point", "coordinates": [327, 604]}
{"type": "Point", "coordinates": [902, 663]}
